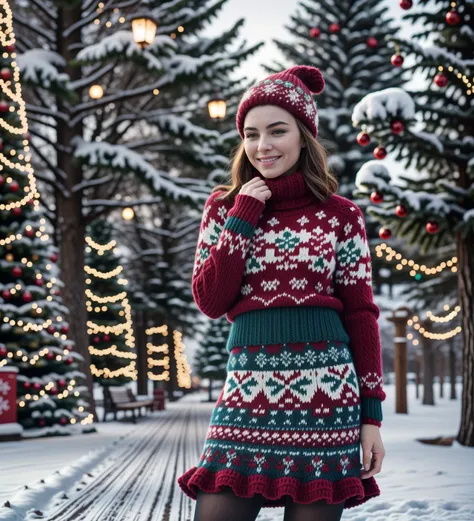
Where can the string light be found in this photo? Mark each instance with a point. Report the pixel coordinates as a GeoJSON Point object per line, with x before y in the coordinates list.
{"type": "Point", "coordinates": [468, 81]}
{"type": "Point", "coordinates": [404, 263]}
{"type": "Point", "coordinates": [414, 322]}
{"type": "Point", "coordinates": [153, 349]}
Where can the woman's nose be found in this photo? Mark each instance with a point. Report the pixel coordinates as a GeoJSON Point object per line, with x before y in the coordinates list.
{"type": "Point", "coordinates": [264, 145]}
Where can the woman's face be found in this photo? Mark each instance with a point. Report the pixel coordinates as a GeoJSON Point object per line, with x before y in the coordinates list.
{"type": "Point", "coordinates": [272, 140]}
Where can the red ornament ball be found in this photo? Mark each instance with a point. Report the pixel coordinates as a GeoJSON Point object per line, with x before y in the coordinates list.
{"type": "Point", "coordinates": [453, 18]}
{"type": "Point", "coordinates": [441, 80]}
{"type": "Point", "coordinates": [334, 28]}
{"type": "Point", "coordinates": [363, 139]}
{"type": "Point", "coordinates": [3, 106]}
{"type": "Point", "coordinates": [5, 74]}
{"type": "Point", "coordinates": [53, 257]}
{"type": "Point", "coordinates": [16, 211]}
{"type": "Point", "coordinates": [2, 179]}
{"type": "Point", "coordinates": [106, 338]}
{"type": "Point", "coordinates": [96, 340]}
{"type": "Point", "coordinates": [376, 197]}
{"type": "Point", "coordinates": [26, 385]}
{"type": "Point", "coordinates": [50, 355]}
{"type": "Point", "coordinates": [51, 330]}
{"type": "Point", "coordinates": [17, 271]}
{"type": "Point", "coordinates": [30, 233]}
{"type": "Point", "coordinates": [36, 386]}
{"type": "Point", "coordinates": [385, 233]}
{"type": "Point", "coordinates": [62, 383]}
{"type": "Point", "coordinates": [397, 60]}
{"type": "Point", "coordinates": [315, 32]}
{"type": "Point", "coordinates": [53, 391]}
{"type": "Point", "coordinates": [406, 4]}
{"type": "Point", "coordinates": [6, 294]}
{"type": "Point", "coordinates": [65, 330]}
{"type": "Point", "coordinates": [401, 211]}
{"type": "Point", "coordinates": [372, 42]}
{"type": "Point", "coordinates": [397, 127]}
{"type": "Point", "coordinates": [10, 48]}
{"type": "Point", "coordinates": [380, 153]}
{"type": "Point", "coordinates": [63, 420]}
{"type": "Point", "coordinates": [3, 351]}
{"type": "Point", "coordinates": [39, 282]}
{"type": "Point", "coordinates": [432, 227]}
{"type": "Point", "coordinates": [41, 422]}
{"type": "Point", "coordinates": [69, 360]}
{"type": "Point", "coordinates": [1, 145]}
{"type": "Point", "coordinates": [14, 186]}
{"type": "Point", "coordinates": [27, 296]}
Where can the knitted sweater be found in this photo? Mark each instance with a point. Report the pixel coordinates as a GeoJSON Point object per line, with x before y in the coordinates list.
{"type": "Point", "coordinates": [293, 251]}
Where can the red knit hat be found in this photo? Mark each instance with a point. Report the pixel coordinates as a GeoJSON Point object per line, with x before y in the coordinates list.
{"type": "Point", "coordinates": [291, 90]}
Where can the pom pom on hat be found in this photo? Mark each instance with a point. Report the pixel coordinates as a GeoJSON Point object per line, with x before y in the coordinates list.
{"type": "Point", "coordinates": [291, 90]}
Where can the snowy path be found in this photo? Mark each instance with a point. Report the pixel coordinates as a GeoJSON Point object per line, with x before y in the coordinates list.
{"type": "Point", "coordinates": [134, 478]}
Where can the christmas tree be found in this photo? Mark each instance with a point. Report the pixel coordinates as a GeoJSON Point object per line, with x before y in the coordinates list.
{"type": "Point", "coordinates": [212, 356]}
{"type": "Point", "coordinates": [431, 128]}
{"type": "Point", "coordinates": [51, 396]}
{"type": "Point", "coordinates": [347, 41]}
{"type": "Point", "coordinates": [109, 324]}
{"type": "Point", "coordinates": [117, 95]}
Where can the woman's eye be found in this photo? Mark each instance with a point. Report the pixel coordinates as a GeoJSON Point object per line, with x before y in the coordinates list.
{"type": "Point", "coordinates": [248, 136]}
{"type": "Point", "coordinates": [279, 131]}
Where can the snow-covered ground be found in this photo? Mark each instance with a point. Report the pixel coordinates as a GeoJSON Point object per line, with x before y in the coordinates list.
{"type": "Point", "coordinates": [418, 482]}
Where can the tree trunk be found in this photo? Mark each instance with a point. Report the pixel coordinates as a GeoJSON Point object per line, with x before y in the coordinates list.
{"type": "Point", "coordinates": [452, 369]}
{"type": "Point", "coordinates": [140, 325]}
{"type": "Point", "coordinates": [69, 206]}
{"type": "Point", "coordinates": [465, 254]}
{"type": "Point", "coordinates": [428, 369]}
{"type": "Point", "coordinates": [417, 374]}
{"type": "Point", "coordinates": [210, 390]}
{"type": "Point", "coordinates": [441, 372]}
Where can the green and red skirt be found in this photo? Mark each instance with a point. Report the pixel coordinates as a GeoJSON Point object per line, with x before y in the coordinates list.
{"type": "Point", "coordinates": [288, 419]}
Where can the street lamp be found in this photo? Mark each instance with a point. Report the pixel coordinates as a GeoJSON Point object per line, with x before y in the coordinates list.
{"type": "Point", "coordinates": [217, 107]}
{"type": "Point", "coordinates": [144, 29]}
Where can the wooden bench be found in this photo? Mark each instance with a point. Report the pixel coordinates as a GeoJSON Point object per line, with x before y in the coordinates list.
{"type": "Point", "coordinates": [122, 399]}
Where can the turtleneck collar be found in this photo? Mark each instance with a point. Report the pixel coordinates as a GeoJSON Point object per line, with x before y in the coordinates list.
{"type": "Point", "coordinates": [288, 191]}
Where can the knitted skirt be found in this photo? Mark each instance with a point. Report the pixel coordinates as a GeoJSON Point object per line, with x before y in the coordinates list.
{"type": "Point", "coordinates": [287, 421]}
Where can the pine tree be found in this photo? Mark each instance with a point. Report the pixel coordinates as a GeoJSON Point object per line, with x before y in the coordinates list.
{"type": "Point", "coordinates": [107, 112]}
{"type": "Point", "coordinates": [347, 41]}
{"type": "Point", "coordinates": [51, 397]}
{"type": "Point", "coordinates": [110, 328]}
{"type": "Point", "coordinates": [431, 128]}
{"type": "Point", "coordinates": [211, 357]}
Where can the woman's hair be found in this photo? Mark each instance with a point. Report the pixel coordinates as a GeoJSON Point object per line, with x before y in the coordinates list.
{"type": "Point", "coordinates": [312, 163]}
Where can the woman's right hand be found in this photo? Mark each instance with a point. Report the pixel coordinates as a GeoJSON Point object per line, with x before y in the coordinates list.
{"type": "Point", "coordinates": [257, 188]}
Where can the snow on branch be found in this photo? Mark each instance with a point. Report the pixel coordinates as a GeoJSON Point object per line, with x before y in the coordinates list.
{"type": "Point", "coordinates": [39, 67]}
{"type": "Point", "coordinates": [121, 44]}
{"type": "Point", "coordinates": [119, 157]}
{"type": "Point", "coordinates": [384, 104]}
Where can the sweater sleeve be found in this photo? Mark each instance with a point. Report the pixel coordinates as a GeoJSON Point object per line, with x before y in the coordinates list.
{"type": "Point", "coordinates": [224, 240]}
{"type": "Point", "coordinates": [353, 286]}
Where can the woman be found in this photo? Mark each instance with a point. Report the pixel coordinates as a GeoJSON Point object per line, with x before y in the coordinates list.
{"type": "Point", "coordinates": [288, 261]}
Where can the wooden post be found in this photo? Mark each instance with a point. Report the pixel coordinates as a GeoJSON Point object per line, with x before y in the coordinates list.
{"type": "Point", "coordinates": [418, 373]}
{"type": "Point", "coordinates": [399, 318]}
{"type": "Point", "coordinates": [428, 367]}
{"type": "Point", "coordinates": [441, 371]}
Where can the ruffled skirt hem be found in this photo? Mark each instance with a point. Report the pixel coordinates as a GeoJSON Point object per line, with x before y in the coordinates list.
{"type": "Point", "coordinates": [354, 491]}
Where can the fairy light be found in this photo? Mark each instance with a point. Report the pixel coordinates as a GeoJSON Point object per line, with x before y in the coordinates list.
{"type": "Point", "coordinates": [182, 367]}
{"type": "Point", "coordinates": [415, 323]}
{"type": "Point", "coordinates": [404, 263]}
{"type": "Point", "coordinates": [469, 82]}
{"type": "Point", "coordinates": [158, 349]}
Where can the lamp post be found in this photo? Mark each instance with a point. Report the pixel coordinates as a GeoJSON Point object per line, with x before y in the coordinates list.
{"type": "Point", "coordinates": [144, 29]}
{"type": "Point", "coordinates": [217, 107]}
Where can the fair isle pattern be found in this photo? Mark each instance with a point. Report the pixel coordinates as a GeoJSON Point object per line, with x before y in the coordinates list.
{"type": "Point", "coordinates": [317, 255]}
{"type": "Point", "coordinates": [287, 422]}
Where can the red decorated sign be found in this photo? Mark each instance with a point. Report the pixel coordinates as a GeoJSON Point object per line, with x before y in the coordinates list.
{"type": "Point", "coordinates": [7, 395]}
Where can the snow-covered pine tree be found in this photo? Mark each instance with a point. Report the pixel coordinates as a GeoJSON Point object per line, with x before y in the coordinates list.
{"type": "Point", "coordinates": [212, 356]}
{"type": "Point", "coordinates": [347, 41]}
{"type": "Point", "coordinates": [104, 111]}
{"type": "Point", "coordinates": [110, 327]}
{"type": "Point", "coordinates": [34, 330]}
{"type": "Point", "coordinates": [432, 128]}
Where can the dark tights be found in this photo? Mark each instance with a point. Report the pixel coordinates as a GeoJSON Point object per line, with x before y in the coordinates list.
{"type": "Point", "coordinates": [226, 506]}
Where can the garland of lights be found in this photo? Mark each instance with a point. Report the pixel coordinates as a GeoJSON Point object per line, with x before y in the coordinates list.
{"type": "Point", "coordinates": [152, 349]}
{"type": "Point", "coordinates": [126, 327]}
{"type": "Point", "coordinates": [413, 321]}
{"type": "Point", "coordinates": [415, 268]}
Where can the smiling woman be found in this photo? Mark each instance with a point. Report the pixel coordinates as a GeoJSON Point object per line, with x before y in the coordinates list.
{"type": "Point", "coordinates": [287, 260]}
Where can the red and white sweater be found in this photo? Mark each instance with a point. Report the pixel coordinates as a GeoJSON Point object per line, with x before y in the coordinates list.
{"type": "Point", "coordinates": [291, 251]}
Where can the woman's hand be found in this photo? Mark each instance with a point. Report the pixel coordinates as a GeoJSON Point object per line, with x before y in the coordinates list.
{"type": "Point", "coordinates": [257, 188]}
{"type": "Point", "coordinates": [373, 451]}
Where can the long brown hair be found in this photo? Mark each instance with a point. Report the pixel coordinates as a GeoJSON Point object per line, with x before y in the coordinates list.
{"type": "Point", "coordinates": [312, 162]}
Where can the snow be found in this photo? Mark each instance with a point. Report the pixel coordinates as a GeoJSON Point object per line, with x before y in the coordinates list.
{"type": "Point", "coordinates": [9, 369]}
{"type": "Point", "coordinates": [384, 104]}
{"type": "Point", "coordinates": [41, 67]}
{"type": "Point", "coordinates": [7, 429]}
{"type": "Point", "coordinates": [417, 482]}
